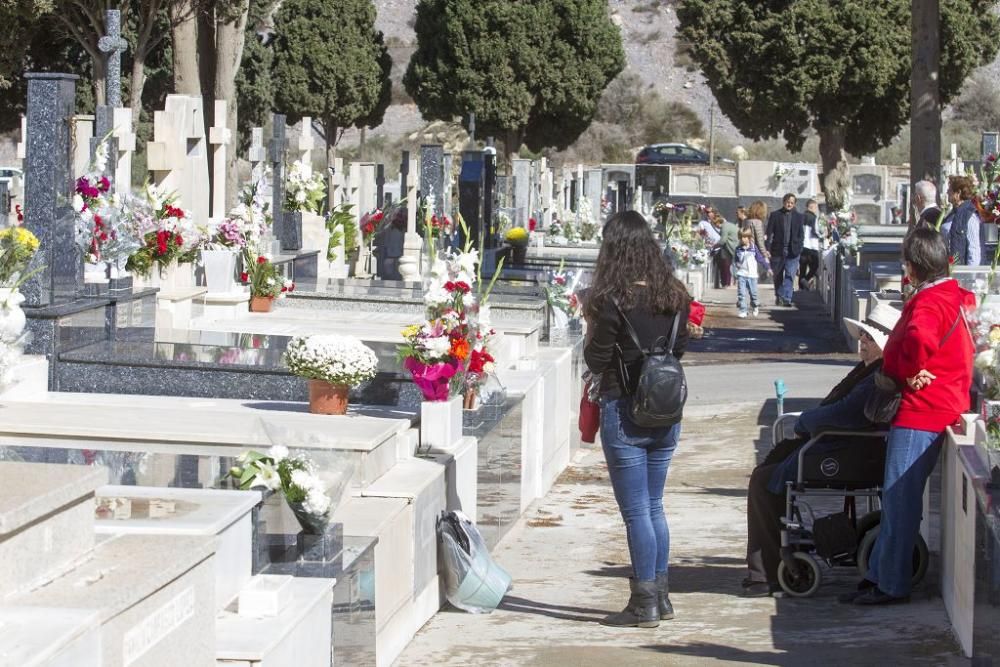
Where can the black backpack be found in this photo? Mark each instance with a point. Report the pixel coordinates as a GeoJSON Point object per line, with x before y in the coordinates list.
{"type": "Point", "coordinates": [660, 394]}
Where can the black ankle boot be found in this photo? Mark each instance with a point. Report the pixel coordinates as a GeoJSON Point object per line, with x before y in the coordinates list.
{"type": "Point", "coordinates": [642, 609]}
{"type": "Point", "coordinates": [663, 597]}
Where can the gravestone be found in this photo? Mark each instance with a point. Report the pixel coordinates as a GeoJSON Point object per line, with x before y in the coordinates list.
{"type": "Point", "coordinates": [522, 191]}
{"type": "Point", "coordinates": [432, 177]}
{"type": "Point", "coordinates": [257, 154]}
{"type": "Point", "coordinates": [111, 45]}
{"type": "Point", "coordinates": [125, 138]}
{"type": "Point", "coordinates": [448, 166]}
{"type": "Point", "coordinates": [380, 186]}
{"type": "Point", "coordinates": [485, 231]}
{"type": "Point", "coordinates": [413, 243]}
{"type": "Point", "coordinates": [178, 155]}
{"type": "Point", "coordinates": [219, 137]}
{"type": "Point", "coordinates": [594, 186]}
{"type": "Point", "coordinates": [470, 192]}
{"type": "Point", "coordinates": [49, 190]}
{"type": "Point", "coordinates": [287, 228]}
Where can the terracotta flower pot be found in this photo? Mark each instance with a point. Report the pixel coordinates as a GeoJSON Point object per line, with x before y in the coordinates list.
{"type": "Point", "coordinates": [261, 304]}
{"type": "Point", "coordinates": [327, 399]}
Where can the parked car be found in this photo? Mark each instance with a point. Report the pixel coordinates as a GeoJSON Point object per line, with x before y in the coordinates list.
{"type": "Point", "coordinates": [674, 154]}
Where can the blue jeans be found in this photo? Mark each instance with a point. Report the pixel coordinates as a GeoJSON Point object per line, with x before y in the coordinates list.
{"type": "Point", "coordinates": [746, 286]}
{"type": "Point", "coordinates": [785, 269]}
{"type": "Point", "coordinates": [638, 459]}
{"type": "Point", "coordinates": [910, 458]}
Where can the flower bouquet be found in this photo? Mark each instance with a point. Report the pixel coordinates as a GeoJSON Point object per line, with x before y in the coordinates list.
{"type": "Point", "coordinates": [170, 235]}
{"type": "Point", "coordinates": [266, 282]}
{"type": "Point", "coordinates": [295, 477]}
{"type": "Point", "coordinates": [17, 248]}
{"type": "Point", "coordinates": [304, 189]}
{"type": "Point", "coordinates": [332, 364]}
{"type": "Point", "coordinates": [560, 292]}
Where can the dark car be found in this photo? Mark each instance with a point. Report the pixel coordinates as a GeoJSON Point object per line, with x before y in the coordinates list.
{"type": "Point", "coordinates": [674, 154]}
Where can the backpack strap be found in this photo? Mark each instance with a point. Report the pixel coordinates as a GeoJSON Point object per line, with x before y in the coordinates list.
{"type": "Point", "coordinates": [630, 330]}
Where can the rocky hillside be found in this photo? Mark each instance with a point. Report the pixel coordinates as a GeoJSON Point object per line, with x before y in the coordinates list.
{"type": "Point", "coordinates": [648, 26]}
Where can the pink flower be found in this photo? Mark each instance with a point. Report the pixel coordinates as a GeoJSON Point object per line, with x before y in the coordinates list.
{"type": "Point", "coordinates": [431, 379]}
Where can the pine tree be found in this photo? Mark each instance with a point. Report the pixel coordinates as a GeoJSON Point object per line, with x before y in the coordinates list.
{"type": "Point", "coordinates": [841, 69]}
{"type": "Point", "coordinates": [532, 72]}
{"type": "Point", "coordinates": [328, 64]}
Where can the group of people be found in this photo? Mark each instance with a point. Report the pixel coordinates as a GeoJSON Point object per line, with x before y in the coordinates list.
{"type": "Point", "coordinates": [783, 245]}
{"type": "Point", "coordinates": [926, 351]}
{"type": "Point", "coordinates": [960, 227]}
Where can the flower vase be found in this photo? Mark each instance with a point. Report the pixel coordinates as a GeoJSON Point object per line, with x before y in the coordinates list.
{"type": "Point", "coordinates": [470, 398]}
{"type": "Point", "coordinates": [261, 304]}
{"type": "Point", "coordinates": [220, 270]}
{"type": "Point", "coordinates": [519, 255]}
{"type": "Point", "coordinates": [353, 262]}
{"type": "Point", "coordinates": [312, 524]}
{"type": "Point", "coordinates": [12, 318]}
{"type": "Point", "coordinates": [560, 319]}
{"type": "Point", "coordinates": [328, 399]}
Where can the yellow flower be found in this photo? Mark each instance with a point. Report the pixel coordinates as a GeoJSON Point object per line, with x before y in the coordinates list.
{"type": "Point", "coordinates": [26, 238]}
{"type": "Point", "coordinates": [411, 331]}
{"type": "Point", "coordinates": [994, 335]}
{"type": "Point", "coordinates": [517, 234]}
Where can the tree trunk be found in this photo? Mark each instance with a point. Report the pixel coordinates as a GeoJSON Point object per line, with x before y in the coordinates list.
{"type": "Point", "coordinates": [925, 93]}
{"type": "Point", "coordinates": [836, 183]}
{"type": "Point", "coordinates": [229, 40]}
{"type": "Point", "coordinates": [138, 83]}
{"type": "Point", "coordinates": [185, 51]}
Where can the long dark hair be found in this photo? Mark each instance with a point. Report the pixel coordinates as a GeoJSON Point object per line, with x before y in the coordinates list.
{"type": "Point", "coordinates": [630, 256]}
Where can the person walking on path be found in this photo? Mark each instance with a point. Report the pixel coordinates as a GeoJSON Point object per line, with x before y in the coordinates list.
{"type": "Point", "coordinates": [809, 264]}
{"type": "Point", "coordinates": [756, 215]}
{"type": "Point", "coordinates": [747, 262]}
{"type": "Point", "coordinates": [784, 238]}
{"type": "Point", "coordinates": [632, 284]}
{"type": "Point", "coordinates": [728, 240]}
{"type": "Point", "coordinates": [962, 228]}
{"type": "Point", "coordinates": [929, 355]}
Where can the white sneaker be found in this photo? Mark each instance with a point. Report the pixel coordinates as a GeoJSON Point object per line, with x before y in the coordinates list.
{"type": "Point", "coordinates": [742, 315]}
{"type": "Point", "coordinates": [756, 311]}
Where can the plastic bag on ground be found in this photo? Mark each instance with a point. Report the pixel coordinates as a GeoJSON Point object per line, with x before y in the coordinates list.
{"type": "Point", "coordinates": [473, 580]}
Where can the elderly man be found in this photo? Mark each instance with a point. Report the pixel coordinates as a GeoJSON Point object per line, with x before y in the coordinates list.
{"type": "Point", "coordinates": [925, 204]}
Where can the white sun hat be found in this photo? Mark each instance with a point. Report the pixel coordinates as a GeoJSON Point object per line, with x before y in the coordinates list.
{"type": "Point", "coordinates": [879, 324]}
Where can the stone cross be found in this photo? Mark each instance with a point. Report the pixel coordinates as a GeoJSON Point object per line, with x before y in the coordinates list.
{"type": "Point", "coordinates": [126, 137]}
{"type": "Point", "coordinates": [112, 45]}
{"type": "Point", "coordinates": [219, 137]}
{"type": "Point", "coordinates": [404, 173]}
{"type": "Point", "coordinates": [279, 144]}
{"type": "Point", "coordinates": [306, 141]}
{"type": "Point", "coordinates": [257, 154]}
{"type": "Point", "coordinates": [413, 244]}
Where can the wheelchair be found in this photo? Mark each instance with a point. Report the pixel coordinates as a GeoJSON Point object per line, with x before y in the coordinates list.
{"type": "Point", "coordinates": [852, 472]}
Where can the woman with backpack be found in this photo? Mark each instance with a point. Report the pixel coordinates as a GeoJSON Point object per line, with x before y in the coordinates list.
{"type": "Point", "coordinates": [635, 298]}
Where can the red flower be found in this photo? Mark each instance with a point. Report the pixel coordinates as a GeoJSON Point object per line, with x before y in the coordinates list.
{"type": "Point", "coordinates": [532, 224]}
{"type": "Point", "coordinates": [20, 213]}
{"type": "Point", "coordinates": [105, 184]}
{"type": "Point", "coordinates": [178, 240]}
{"type": "Point", "coordinates": [244, 277]}
{"type": "Point", "coordinates": [262, 260]}
{"type": "Point", "coordinates": [991, 158]}
{"type": "Point", "coordinates": [559, 280]}
{"type": "Point", "coordinates": [291, 288]}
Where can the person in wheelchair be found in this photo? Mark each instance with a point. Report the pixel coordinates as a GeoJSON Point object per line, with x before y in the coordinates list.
{"type": "Point", "coordinates": [842, 409]}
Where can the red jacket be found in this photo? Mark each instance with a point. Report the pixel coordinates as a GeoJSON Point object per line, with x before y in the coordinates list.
{"type": "Point", "coordinates": [915, 344]}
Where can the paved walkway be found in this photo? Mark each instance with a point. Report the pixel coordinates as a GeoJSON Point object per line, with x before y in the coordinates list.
{"type": "Point", "coordinates": [569, 559]}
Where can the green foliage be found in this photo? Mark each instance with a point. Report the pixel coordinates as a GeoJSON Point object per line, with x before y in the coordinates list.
{"type": "Point", "coordinates": [254, 83]}
{"type": "Point", "coordinates": [530, 71]}
{"type": "Point", "coordinates": [350, 235]}
{"type": "Point", "coordinates": [377, 114]}
{"type": "Point", "coordinates": [336, 224]}
{"type": "Point", "coordinates": [785, 68]}
{"type": "Point", "coordinates": [328, 62]}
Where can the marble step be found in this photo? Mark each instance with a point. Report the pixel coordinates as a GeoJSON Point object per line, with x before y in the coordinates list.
{"type": "Point", "coordinates": [141, 510]}
{"type": "Point", "coordinates": [213, 428]}
{"type": "Point", "coordinates": [46, 520]}
{"type": "Point", "coordinates": [298, 635]}
{"type": "Point", "coordinates": [151, 599]}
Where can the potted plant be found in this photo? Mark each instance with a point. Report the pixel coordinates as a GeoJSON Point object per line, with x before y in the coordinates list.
{"type": "Point", "coordinates": [332, 364]}
{"type": "Point", "coordinates": [517, 238]}
{"type": "Point", "coordinates": [218, 255]}
{"type": "Point", "coordinates": [305, 192]}
{"type": "Point", "coordinates": [17, 248]}
{"type": "Point", "coordinates": [295, 477]}
{"type": "Point", "coordinates": [266, 283]}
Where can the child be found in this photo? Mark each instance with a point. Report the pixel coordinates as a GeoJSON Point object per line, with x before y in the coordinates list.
{"type": "Point", "coordinates": [748, 257]}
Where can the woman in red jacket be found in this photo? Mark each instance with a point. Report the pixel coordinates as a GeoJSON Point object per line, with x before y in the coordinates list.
{"type": "Point", "coordinates": [929, 353]}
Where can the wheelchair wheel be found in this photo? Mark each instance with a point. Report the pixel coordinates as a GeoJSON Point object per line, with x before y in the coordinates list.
{"type": "Point", "coordinates": [805, 581]}
{"type": "Point", "coordinates": [920, 555]}
{"type": "Point", "coordinates": [867, 522]}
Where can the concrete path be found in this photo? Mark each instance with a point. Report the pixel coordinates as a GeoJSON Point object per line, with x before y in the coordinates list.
{"type": "Point", "coordinates": [569, 558]}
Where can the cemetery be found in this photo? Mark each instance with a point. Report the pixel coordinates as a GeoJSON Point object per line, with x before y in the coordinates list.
{"type": "Point", "coordinates": [281, 394]}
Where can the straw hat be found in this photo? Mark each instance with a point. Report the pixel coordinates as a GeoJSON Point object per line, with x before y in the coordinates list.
{"type": "Point", "coordinates": [879, 324]}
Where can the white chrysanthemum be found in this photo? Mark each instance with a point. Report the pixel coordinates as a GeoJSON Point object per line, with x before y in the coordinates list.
{"type": "Point", "coordinates": [437, 347]}
{"type": "Point", "coordinates": [278, 453]}
{"type": "Point", "coordinates": [984, 359]}
{"type": "Point", "coordinates": [335, 359]}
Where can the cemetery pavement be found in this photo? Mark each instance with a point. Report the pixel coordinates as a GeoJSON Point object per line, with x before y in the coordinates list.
{"type": "Point", "coordinates": [569, 559]}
